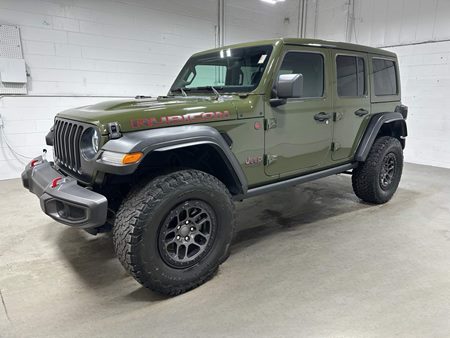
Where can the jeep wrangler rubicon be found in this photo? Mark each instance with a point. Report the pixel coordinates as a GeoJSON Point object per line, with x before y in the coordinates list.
{"type": "Point", "coordinates": [238, 121]}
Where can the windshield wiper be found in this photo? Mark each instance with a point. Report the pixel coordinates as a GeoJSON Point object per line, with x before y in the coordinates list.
{"type": "Point", "coordinates": [212, 88]}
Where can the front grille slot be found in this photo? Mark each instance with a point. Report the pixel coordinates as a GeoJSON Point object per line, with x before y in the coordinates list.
{"type": "Point", "coordinates": [67, 144]}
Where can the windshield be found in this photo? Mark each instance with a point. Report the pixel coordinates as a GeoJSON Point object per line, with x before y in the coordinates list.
{"type": "Point", "coordinates": [226, 71]}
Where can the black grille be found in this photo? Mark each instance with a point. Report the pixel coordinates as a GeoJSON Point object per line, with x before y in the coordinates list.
{"type": "Point", "coordinates": [67, 144]}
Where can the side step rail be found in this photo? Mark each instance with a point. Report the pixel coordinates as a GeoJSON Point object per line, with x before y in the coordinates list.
{"type": "Point", "coordinates": [297, 180]}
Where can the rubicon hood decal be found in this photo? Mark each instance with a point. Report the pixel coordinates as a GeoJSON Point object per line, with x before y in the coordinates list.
{"type": "Point", "coordinates": [182, 119]}
{"type": "Point", "coordinates": [132, 115]}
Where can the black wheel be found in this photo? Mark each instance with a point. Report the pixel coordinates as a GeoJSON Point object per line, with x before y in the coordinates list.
{"type": "Point", "coordinates": [172, 233]}
{"type": "Point", "coordinates": [187, 234]}
{"type": "Point", "coordinates": [376, 180]}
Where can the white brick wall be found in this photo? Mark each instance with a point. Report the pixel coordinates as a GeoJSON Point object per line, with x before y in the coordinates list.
{"type": "Point", "coordinates": [81, 47]}
{"type": "Point", "coordinates": [27, 120]}
{"type": "Point", "coordinates": [425, 76]}
{"type": "Point", "coordinates": [128, 47]}
{"type": "Point", "coordinates": [113, 48]}
{"type": "Point", "coordinates": [255, 20]}
{"type": "Point", "coordinates": [381, 22]}
{"type": "Point", "coordinates": [424, 68]}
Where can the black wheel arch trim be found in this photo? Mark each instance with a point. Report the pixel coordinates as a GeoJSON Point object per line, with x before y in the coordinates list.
{"type": "Point", "coordinates": [376, 123]}
{"type": "Point", "coordinates": [166, 139]}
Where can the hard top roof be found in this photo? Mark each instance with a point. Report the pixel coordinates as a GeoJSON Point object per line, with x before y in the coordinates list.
{"type": "Point", "coordinates": [312, 43]}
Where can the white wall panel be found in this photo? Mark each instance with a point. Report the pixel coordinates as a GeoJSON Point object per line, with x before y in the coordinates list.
{"type": "Point", "coordinates": [382, 22]}
{"type": "Point", "coordinates": [256, 20]}
{"type": "Point", "coordinates": [78, 35]}
{"type": "Point", "coordinates": [410, 27]}
{"type": "Point", "coordinates": [101, 47]}
{"type": "Point", "coordinates": [425, 75]}
{"type": "Point", "coordinates": [114, 48]}
{"type": "Point", "coordinates": [129, 47]}
{"type": "Point", "coordinates": [27, 120]}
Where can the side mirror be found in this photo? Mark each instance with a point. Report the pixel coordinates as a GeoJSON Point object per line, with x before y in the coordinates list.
{"type": "Point", "coordinates": [288, 85]}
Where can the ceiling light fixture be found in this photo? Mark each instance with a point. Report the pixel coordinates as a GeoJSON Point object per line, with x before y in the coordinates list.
{"type": "Point", "coordinates": [272, 2]}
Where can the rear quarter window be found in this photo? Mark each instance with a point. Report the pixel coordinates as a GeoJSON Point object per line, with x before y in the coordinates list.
{"type": "Point", "coordinates": [384, 77]}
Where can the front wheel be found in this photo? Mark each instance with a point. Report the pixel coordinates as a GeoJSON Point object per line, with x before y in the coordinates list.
{"type": "Point", "coordinates": [174, 232]}
{"type": "Point", "coordinates": [376, 180]}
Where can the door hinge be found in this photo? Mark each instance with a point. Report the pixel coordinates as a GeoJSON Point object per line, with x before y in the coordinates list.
{"type": "Point", "coordinates": [337, 116]}
{"type": "Point", "coordinates": [269, 159]}
{"type": "Point", "coordinates": [270, 123]}
{"type": "Point", "coordinates": [335, 146]}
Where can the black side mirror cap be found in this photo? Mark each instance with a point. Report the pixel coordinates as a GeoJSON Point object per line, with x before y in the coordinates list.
{"type": "Point", "coordinates": [277, 102]}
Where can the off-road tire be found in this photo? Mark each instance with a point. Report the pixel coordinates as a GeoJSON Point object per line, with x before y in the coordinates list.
{"type": "Point", "coordinates": [367, 177]}
{"type": "Point", "coordinates": [136, 232]}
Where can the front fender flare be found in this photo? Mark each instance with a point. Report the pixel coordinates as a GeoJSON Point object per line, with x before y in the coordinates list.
{"type": "Point", "coordinates": [166, 139]}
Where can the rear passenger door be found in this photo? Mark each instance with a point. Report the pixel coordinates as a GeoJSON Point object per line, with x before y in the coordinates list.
{"type": "Point", "coordinates": [351, 102]}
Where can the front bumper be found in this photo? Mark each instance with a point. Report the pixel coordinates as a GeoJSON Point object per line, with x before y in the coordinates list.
{"type": "Point", "coordinates": [66, 202]}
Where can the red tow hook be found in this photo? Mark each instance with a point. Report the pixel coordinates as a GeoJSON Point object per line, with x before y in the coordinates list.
{"type": "Point", "coordinates": [33, 163]}
{"type": "Point", "coordinates": [55, 182]}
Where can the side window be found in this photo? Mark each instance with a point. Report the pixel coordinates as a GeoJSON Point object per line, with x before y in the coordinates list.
{"type": "Point", "coordinates": [310, 65]}
{"type": "Point", "coordinates": [384, 77]}
{"type": "Point", "coordinates": [351, 76]}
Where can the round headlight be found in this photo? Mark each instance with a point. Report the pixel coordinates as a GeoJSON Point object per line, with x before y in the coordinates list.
{"type": "Point", "coordinates": [95, 141]}
{"type": "Point", "coordinates": [89, 143]}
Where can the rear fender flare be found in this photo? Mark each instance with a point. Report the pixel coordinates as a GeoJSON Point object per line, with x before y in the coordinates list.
{"type": "Point", "coordinates": [373, 129]}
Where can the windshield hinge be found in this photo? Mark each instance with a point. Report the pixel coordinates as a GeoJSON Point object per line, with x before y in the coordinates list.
{"type": "Point", "coordinates": [114, 130]}
{"type": "Point", "coordinates": [269, 159]}
{"type": "Point", "coordinates": [270, 123]}
{"type": "Point", "coordinates": [335, 146]}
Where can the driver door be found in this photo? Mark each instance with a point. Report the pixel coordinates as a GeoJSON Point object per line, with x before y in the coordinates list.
{"type": "Point", "coordinates": [299, 133]}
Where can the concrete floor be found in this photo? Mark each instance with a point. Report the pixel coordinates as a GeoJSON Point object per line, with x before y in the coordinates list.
{"type": "Point", "coordinates": [310, 261]}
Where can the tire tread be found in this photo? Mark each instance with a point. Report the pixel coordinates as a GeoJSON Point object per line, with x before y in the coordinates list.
{"type": "Point", "coordinates": [138, 206]}
{"type": "Point", "coordinates": [365, 176]}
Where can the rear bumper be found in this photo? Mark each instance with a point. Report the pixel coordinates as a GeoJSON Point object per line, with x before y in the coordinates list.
{"type": "Point", "coordinates": [67, 202]}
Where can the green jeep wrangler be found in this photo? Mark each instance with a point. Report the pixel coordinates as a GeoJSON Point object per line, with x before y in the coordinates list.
{"type": "Point", "coordinates": [163, 173]}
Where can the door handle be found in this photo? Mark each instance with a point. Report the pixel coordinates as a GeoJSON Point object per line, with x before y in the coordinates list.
{"type": "Point", "coordinates": [322, 117]}
{"type": "Point", "coordinates": [361, 112]}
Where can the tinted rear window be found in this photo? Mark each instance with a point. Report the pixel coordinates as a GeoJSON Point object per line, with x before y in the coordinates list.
{"type": "Point", "coordinates": [384, 77]}
{"type": "Point", "coordinates": [350, 76]}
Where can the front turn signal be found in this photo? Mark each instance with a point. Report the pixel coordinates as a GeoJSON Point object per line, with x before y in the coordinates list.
{"type": "Point", "coordinates": [121, 158]}
{"type": "Point", "coordinates": [132, 158]}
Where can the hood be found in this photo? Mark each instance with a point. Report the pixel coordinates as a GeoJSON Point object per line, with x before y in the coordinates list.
{"type": "Point", "coordinates": [141, 114]}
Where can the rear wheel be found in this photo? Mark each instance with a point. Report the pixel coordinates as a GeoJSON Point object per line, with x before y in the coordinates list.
{"type": "Point", "coordinates": [376, 180]}
{"type": "Point", "coordinates": [174, 232]}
